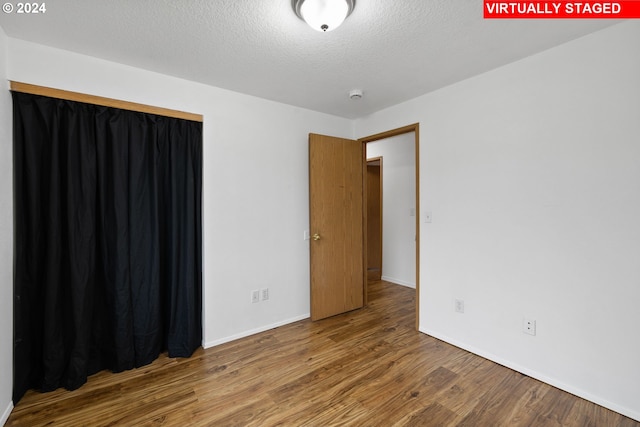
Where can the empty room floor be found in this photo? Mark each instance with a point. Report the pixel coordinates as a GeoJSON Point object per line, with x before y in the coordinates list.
{"type": "Point", "coordinates": [369, 367]}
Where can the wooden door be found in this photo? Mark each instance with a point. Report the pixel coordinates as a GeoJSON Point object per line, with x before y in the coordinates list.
{"type": "Point", "coordinates": [336, 173]}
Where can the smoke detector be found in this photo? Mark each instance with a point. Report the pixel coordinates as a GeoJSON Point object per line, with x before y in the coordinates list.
{"type": "Point", "coordinates": [355, 94]}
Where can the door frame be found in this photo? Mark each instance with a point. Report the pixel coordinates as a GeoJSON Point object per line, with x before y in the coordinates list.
{"type": "Point", "coordinates": [384, 135]}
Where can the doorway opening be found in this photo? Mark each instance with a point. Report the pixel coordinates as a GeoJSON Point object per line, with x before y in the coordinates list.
{"type": "Point", "coordinates": [374, 219]}
{"type": "Point", "coordinates": [412, 212]}
{"type": "Point", "coordinates": [338, 222]}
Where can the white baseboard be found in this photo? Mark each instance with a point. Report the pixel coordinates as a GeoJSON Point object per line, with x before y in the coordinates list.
{"type": "Point", "coordinates": [398, 282]}
{"type": "Point", "coordinates": [250, 332]}
{"type": "Point", "coordinates": [537, 375]}
{"type": "Point", "coordinates": [6, 413]}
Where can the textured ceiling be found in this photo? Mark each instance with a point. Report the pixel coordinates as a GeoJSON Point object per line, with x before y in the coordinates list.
{"type": "Point", "coordinates": [393, 50]}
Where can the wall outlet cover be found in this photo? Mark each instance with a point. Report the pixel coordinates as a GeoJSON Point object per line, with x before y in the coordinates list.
{"type": "Point", "coordinates": [529, 326]}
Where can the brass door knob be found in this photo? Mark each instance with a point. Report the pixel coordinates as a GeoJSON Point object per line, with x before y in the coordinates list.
{"type": "Point", "coordinates": [316, 236]}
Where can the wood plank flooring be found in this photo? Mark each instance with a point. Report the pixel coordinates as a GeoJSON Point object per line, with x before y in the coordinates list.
{"type": "Point", "coordinates": [365, 368]}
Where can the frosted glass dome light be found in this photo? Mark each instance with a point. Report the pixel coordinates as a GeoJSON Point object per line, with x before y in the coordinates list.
{"type": "Point", "coordinates": [323, 15]}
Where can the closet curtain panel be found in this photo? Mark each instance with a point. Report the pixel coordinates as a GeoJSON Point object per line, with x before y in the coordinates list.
{"type": "Point", "coordinates": [108, 240]}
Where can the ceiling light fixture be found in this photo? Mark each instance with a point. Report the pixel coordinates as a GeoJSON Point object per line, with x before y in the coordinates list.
{"type": "Point", "coordinates": [323, 15]}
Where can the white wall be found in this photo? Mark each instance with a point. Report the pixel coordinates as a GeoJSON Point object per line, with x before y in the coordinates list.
{"type": "Point", "coordinates": [6, 238]}
{"type": "Point", "coordinates": [398, 204]}
{"type": "Point", "coordinates": [532, 172]}
{"type": "Point", "coordinates": [255, 182]}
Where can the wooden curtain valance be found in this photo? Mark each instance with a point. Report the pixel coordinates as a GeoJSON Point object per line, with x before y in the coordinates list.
{"type": "Point", "coordinates": [105, 102]}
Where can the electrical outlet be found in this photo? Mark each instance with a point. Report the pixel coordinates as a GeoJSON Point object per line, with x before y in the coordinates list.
{"type": "Point", "coordinates": [529, 326]}
{"type": "Point", "coordinates": [459, 306]}
{"type": "Point", "coordinates": [255, 296]}
{"type": "Point", "coordinates": [265, 294]}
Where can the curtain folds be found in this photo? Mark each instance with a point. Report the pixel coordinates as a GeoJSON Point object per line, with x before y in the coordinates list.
{"type": "Point", "coordinates": [108, 240]}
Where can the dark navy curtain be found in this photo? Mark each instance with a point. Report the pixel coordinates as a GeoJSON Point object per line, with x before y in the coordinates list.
{"type": "Point", "coordinates": [108, 240]}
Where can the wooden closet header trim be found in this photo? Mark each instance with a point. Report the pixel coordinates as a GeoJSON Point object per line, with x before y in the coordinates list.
{"type": "Point", "coordinates": [105, 102]}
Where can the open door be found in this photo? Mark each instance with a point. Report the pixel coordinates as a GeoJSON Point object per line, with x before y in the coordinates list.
{"type": "Point", "coordinates": [336, 173]}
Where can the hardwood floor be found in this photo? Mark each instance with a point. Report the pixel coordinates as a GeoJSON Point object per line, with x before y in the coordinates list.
{"type": "Point", "coordinates": [365, 368]}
